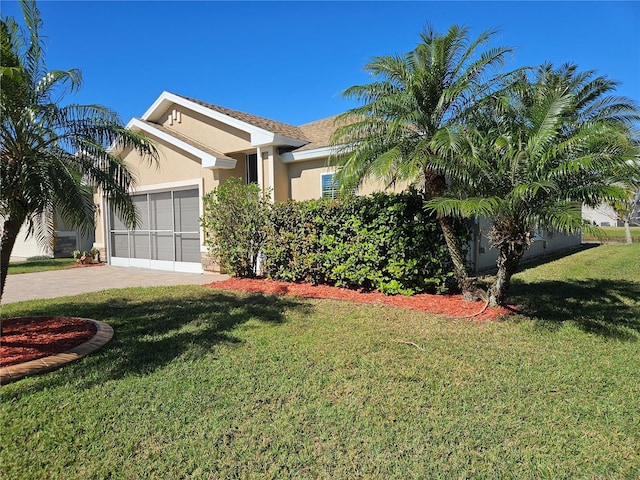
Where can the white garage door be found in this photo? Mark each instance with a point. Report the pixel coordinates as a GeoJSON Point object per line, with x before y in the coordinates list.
{"type": "Point", "coordinates": [168, 236]}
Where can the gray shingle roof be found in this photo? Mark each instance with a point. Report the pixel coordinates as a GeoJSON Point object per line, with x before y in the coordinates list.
{"type": "Point", "coordinates": [319, 133]}
{"type": "Point", "coordinates": [261, 122]}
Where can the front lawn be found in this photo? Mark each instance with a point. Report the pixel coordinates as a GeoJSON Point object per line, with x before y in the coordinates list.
{"type": "Point", "coordinates": [613, 234]}
{"type": "Point", "coordinates": [39, 265]}
{"type": "Point", "coordinates": [199, 383]}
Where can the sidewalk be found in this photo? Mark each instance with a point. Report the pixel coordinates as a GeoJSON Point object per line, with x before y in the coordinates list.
{"type": "Point", "coordinates": [73, 281]}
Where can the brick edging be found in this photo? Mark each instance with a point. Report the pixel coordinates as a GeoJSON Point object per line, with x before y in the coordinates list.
{"type": "Point", "coordinates": [103, 334]}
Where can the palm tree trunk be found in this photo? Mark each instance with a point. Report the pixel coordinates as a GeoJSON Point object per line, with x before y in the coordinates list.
{"type": "Point", "coordinates": [627, 231]}
{"type": "Point", "coordinates": [10, 231]}
{"type": "Point", "coordinates": [465, 284]}
{"type": "Point", "coordinates": [509, 256]}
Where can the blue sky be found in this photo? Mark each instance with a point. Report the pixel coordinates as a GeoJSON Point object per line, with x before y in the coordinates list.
{"type": "Point", "coordinates": [290, 61]}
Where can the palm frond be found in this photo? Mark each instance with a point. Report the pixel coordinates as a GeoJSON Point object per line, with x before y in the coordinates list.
{"type": "Point", "coordinates": [465, 207]}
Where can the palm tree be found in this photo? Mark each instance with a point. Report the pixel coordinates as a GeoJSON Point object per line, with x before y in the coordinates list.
{"type": "Point", "coordinates": [415, 96]}
{"type": "Point", "coordinates": [54, 157]}
{"type": "Point", "coordinates": [627, 209]}
{"type": "Point", "coordinates": [532, 156]}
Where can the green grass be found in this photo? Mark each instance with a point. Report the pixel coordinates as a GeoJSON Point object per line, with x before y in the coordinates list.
{"type": "Point", "coordinates": [206, 384]}
{"type": "Point", "coordinates": [39, 265]}
{"type": "Point", "coordinates": [613, 234]}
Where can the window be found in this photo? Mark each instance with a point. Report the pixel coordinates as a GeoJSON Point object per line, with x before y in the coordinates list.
{"type": "Point", "coordinates": [252, 168]}
{"type": "Point", "coordinates": [329, 188]}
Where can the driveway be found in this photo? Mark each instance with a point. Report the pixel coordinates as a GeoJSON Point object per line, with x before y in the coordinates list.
{"type": "Point", "coordinates": [73, 281]}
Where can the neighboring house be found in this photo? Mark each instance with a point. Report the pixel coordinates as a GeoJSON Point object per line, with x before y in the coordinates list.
{"type": "Point", "coordinates": [604, 215]}
{"type": "Point", "coordinates": [64, 242]}
{"type": "Point", "coordinates": [200, 146]}
{"type": "Point", "coordinates": [483, 257]}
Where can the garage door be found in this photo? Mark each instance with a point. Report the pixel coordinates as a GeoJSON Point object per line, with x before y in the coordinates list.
{"type": "Point", "coordinates": [168, 237]}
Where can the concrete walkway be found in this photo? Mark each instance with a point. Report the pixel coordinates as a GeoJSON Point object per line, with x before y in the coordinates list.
{"type": "Point", "coordinates": [73, 281]}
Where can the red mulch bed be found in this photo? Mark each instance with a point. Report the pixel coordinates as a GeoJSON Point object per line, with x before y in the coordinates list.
{"type": "Point", "coordinates": [450, 305]}
{"type": "Point", "coordinates": [82, 265]}
{"type": "Point", "coordinates": [29, 338]}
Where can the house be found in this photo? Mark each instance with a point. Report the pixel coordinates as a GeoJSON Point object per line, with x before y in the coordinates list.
{"type": "Point", "coordinates": [200, 146]}
{"type": "Point", "coordinates": [603, 216]}
{"type": "Point", "coordinates": [63, 243]}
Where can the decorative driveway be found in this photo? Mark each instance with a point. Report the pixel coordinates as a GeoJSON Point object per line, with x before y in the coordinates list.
{"type": "Point", "coordinates": [73, 281]}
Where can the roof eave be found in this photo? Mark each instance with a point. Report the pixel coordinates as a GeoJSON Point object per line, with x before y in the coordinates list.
{"type": "Point", "coordinates": [311, 154]}
{"type": "Point", "coordinates": [259, 136]}
{"type": "Point", "coordinates": [207, 160]}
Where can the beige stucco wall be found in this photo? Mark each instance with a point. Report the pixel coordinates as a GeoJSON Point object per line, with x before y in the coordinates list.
{"type": "Point", "coordinates": [304, 178]}
{"type": "Point", "coordinates": [282, 190]}
{"type": "Point", "coordinates": [99, 235]}
{"type": "Point", "coordinates": [216, 135]}
{"type": "Point", "coordinates": [306, 184]}
{"type": "Point", "coordinates": [173, 165]}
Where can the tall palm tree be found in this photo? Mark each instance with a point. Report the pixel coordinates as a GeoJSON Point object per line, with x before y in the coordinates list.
{"type": "Point", "coordinates": [53, 156]}
{"type": "Point", "coordinates": [533, 156]}
{"type": "Point", "coordinates": [415, 96]}
{"type": "Point", "coordinates": [628, 209]}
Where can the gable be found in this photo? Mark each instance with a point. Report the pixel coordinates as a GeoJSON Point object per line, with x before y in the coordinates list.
{"type": "Point", "coordinates": [261, 131]}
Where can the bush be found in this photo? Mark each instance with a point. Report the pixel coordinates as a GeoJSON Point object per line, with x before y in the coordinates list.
{"type": "Point", "coordinates": [384, 242]}
{"type": "Point", "coordinates": [235, 221]}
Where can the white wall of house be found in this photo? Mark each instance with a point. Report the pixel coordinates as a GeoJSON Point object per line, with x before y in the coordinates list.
{"type": "Point", "coordinates": [483, 257]}
{"type": "Point", "coordinates": [66, 241]}
{"type": "Point", "coordinates": [28, 246]}
{"type": "Point", "coordinates": [603, 215]}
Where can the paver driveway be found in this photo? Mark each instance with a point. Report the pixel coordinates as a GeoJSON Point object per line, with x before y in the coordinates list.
{"type": "Point", "coordinates": [73, 281]}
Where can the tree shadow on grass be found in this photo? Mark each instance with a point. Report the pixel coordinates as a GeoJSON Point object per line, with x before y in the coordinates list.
{"type": "Point", "coordinates": [610, 308]}
{"type": "Point", "coordinates": [488, 274]}
{"type": "Point", "coordinates": [552, 257]}
{"type": "Point", "coordinates": [151, 330]}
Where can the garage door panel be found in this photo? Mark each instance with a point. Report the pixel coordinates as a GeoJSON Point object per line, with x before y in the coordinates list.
{"type": "Point", "coordinates": [139, 244]}
{"type": "Point", "coordinates": [187, 247]}
{"type": "Point", "coordinates": [120, 244]}
{"type": "Point", "coordinates": [160, 211]}
{"type": "Point", "coordinates": [142, 211]}
{"type": "Point", "coordinates": [187, 210]}
{"type": "Point", "coordinates": [162, 246]}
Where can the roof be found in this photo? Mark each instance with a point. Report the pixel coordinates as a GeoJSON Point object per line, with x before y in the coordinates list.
{"type": "Point", "coordinates": [307, 141]}
{"type": "Point", "coordinates": [187, 140]}
{"type": "Point", "coordinates": [261, 122]}
{"type": "Point", "coordinates": [318, 133]}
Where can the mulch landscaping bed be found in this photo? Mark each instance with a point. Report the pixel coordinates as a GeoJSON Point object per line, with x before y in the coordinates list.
{"type": "Point", "coordinates": [82, 265]}
{"type": "Point", "coordinates": [450, 305]}
{"type": "Point", "coordinates": [28, 338]}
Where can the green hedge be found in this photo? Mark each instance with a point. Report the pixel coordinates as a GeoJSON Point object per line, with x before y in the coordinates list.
{"type": "Point", "coordinates": [382, 242]}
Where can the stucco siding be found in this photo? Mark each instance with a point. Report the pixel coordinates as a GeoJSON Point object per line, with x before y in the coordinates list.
{"type": "Point", "coordinates": [603, 215]}
{"type": "Point", "coordinates": [26, 247]}
{"type": "Point", "coordinates": [219, 136]}
{"type": "Point", "coordinates": [172, 165]}
{"type": "Point", "coordinates": [545, 244]}
{"type": "Point", "coordinates": [304, 179]}
{"type": "Point", "coordinates": [282, 184]}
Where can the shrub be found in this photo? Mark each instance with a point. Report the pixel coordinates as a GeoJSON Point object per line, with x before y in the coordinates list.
{"type": "Point", "coordinates": [235, 221]}
{"type": "Point", "coordinates": [383, 241]}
